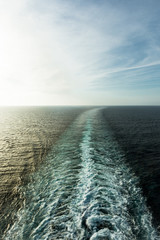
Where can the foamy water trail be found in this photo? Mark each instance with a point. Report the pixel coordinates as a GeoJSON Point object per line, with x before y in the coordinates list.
{"type": "Point", "coordinates": [85, 190]}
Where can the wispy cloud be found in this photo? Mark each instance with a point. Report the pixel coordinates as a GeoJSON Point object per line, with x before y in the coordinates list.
{"type": "Point", "coordinates": [64, 50]}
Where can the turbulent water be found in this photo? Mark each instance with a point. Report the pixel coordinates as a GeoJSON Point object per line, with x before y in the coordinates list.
{"type": "Point", "coordinates": [26, 136]}
{"type": "Point", "coordinates": [85, 189]}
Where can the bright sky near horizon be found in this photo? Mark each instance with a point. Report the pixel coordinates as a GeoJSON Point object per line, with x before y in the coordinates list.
{"type": "Point", "coordinates": [79, 52]}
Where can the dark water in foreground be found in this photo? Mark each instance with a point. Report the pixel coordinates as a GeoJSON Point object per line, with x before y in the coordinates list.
{"type": "Point", "coordinates": [98, 180]}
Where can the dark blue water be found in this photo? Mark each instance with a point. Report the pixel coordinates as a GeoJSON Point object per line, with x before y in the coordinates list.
{"type": "Point", "coordinates": [87, 187]}
{"type": "Point", "coordinates": [137, 130]}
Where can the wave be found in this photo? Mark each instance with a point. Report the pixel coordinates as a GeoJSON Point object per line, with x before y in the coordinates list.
{"type": "Point", "coordinates": [84, 190]}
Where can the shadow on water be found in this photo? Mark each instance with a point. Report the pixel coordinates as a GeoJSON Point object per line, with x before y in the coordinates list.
{"type": "Point", "coordinates": [137, 130]}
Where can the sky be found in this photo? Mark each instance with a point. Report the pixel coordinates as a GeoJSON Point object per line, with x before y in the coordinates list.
{"type": "Point", "coordinates": [79, 52]}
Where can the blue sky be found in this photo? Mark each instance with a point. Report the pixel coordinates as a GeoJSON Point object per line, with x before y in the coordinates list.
{"type": "Point", "coordinates": [80, 52]}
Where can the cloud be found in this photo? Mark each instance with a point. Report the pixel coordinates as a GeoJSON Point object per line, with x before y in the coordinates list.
{"type": "Point", "coordinates": [70, 48]}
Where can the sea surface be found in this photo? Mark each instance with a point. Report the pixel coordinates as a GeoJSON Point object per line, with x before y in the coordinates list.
{"type": "Point", "coordinates": [80, 173]}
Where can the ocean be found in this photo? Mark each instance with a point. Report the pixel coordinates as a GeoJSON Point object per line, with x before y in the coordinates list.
{"type": "Point", "coordinates": [79, 173]}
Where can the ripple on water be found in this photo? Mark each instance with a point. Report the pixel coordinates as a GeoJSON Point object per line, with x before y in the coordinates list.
{"type": "Point", "coordinates": [85, 190]}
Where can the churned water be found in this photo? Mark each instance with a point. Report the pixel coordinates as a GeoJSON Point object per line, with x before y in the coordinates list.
{"type": "Point", "coordinates": [85, 189]}
{"type": "Point", "coordinates": [26, 136]}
